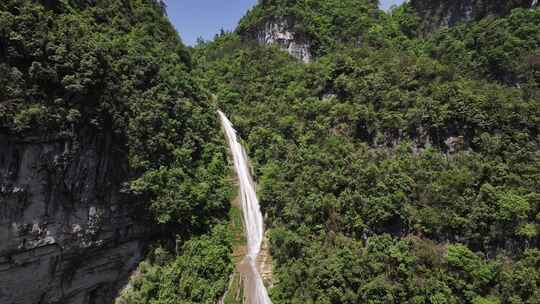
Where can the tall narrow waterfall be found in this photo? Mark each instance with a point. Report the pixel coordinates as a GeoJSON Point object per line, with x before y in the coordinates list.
{"type": "Point", "coordinates": [254, 288]}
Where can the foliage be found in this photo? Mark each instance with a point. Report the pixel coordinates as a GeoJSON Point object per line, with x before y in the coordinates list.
{"type": "Point", "coordinates": [112, 75]}
{"type": "Point", "coordinates": [199, 273]}
{"type": "Point", "coordinates": [503, 49]}
{"type": "Point", "coordinates": [400, 170]}
{"type": "Point", "coordinates": [108, 69]}
{"type": "Point", "coordinates": [395, 168]}
{"type": "Point", "coordinates": [324, 23]}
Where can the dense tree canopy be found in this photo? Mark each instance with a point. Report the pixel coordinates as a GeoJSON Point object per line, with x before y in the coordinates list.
{"type": "Point", "coordinates": [117, 69]}
{"type": "Point", "coordinates": [120, 69]}
{"type": "Point", "coordinates": [397, 167]}
{"type": "Point", "coordinates": [324, 23]}
{"type": "Point", "coordinates": [198, 275]}
{"type": "Point", "coordinates": [399, 170]}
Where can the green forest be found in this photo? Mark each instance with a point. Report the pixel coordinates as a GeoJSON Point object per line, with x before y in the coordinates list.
{"type": "Point", "coordinates": [72, 69]}
{"type": "Point", "coordinates": [401, 168]}
{"type": "Point", "coordinates": [402, 165]}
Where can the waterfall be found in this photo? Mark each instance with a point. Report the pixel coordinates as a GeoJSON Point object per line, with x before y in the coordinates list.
{"type": "Point", "coordinates": [253, 220]}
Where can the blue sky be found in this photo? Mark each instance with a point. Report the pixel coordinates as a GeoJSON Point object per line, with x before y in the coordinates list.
{"type": "Point", "coordinates": [204, 18]}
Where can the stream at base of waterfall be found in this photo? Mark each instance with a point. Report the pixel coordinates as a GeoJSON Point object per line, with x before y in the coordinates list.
{"type": "Point", "coordinates": [254, 289]}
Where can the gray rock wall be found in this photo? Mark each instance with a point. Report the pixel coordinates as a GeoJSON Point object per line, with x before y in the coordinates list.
{"type": "Point", "coordinates": [68, 233]}
{"type": "Point", "coordinates": [280, 32]}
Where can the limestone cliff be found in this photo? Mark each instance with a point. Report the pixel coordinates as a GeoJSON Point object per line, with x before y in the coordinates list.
{"type": "Point", "coordinates": [282, 33]}
{"type": "Point", "coordinates": [309, 29]}
{"type": "Point", "coordinates": [68, 233]}
{"type": "Point", "coordinates": [279, 30]}
{"type": "Point", "coordinates": [443, 13]}
{"type": "Point", "coordinates": [95, 95]}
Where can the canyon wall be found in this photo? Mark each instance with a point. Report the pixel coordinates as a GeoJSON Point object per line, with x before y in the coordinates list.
{"type": "Point", "coordinates": [69, 233]}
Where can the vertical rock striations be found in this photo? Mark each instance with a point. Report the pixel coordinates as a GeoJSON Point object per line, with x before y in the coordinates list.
{"type": "Point", "coordinates": [280, 31]}
{"type": "Point", "coordinates": [68, 233]}
{"type": "Point", "coordinates": [95, 97]}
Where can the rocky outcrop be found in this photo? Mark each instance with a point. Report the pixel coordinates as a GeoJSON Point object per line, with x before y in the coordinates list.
{"type": "Point", "coordinates": [68, 231]}
{"type": "Point", "coordinates": [280, 31]}
{"type": "Point", "coordinates": [442, 13]}
{"type": "Point", "coordinates": [455, 143]}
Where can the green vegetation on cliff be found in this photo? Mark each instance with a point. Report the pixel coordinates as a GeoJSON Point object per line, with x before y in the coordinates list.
{"type": "Point", "coordinates": [395, 168]}
{"type": "Point", "coordinates": [119, 69]}
{"type": "Point", "coordinates": [501, 49]}
{"type": "Point", "coordinates": [402, 170]}
{"type": "Point", "coordinates": [195, 276]}
{"type": "Point", "coordinates": [117, 72]}
{"type": "Point", "coordinates": [323, 23]}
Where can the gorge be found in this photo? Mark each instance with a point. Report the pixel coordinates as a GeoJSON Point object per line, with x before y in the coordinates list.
{"type": "Point", "coordinates": [394, 155]}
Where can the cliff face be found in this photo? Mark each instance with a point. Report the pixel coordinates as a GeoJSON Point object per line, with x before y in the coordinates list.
{"type": "Point", "coordinates": [97, 102]}
{"type": "Point", "coordinates": [440, 13]}
{"type": "Point", "coordinates": [67, 231]}
{"type": "Point", "coordinates": [308, 29]}
{"type": "Point", "coordinates": [281, 32]}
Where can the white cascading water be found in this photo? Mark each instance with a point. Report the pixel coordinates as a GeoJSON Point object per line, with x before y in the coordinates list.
{"type": "Point", "coordinates": [254, 227]}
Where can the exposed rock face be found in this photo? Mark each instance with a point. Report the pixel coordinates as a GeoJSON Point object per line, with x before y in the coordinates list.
{"type": "Point", "coordinates": [455, 144]}
{"type": "Point", "coordinates": [281, 32]}
{"type": "Point", "coordinates": [67, 232]}
{"type": "Point", "coordinates": [442, 13]}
